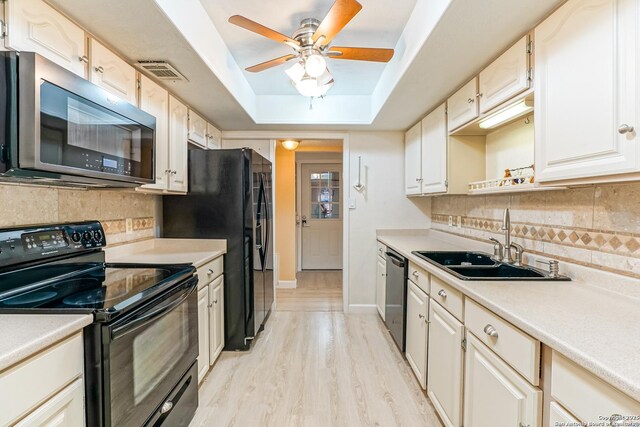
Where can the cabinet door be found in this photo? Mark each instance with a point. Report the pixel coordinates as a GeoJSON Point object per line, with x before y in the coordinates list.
{"type": "Point", "coordinates": [112, 73]}
{"type": "Point", "coordinates": [496, 395]}
{"type": "Point", "coordinates": [462, 106]}
{"type": "Point", "coordinates": [417, 331]}
{"type": "Point", "coordinates": [197, 129]}
{"type": "Point", "coordinates": [434, 151]}
{"type": "Point", "coordinates": [381, 282]}
{"type": "Point", "coordinates": [203, 333]}
{"type": "Point", "coordinates": [445, 364]}
{"type": "Point", "coordinates": [214, 139]}
{"type": "Point", "coordinates": [505, 77]}
{"type": "Point", "coordinates": [216, 318]}
{"type": "Point", "coordinates": [178, 151]}
{"type": "Point", "coordinates": [34, 26]}
{"type": "Point", "coordinates": [558, 416]}
{"type": "Point", "coordinates": [412, 153]}
{"type": "Point", "coordinates": [64, 409]}
{"type": "Point", "coordinates": [155, 101]}
{"type": "Point", "coordinates": [586, 81]}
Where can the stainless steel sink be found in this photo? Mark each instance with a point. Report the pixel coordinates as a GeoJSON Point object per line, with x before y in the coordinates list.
{"type": "Point", "coordinates": [480, 266]}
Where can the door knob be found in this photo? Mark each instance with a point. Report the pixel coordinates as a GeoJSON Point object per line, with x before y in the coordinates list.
{"type": "Point", "coordinates": [624, 129]}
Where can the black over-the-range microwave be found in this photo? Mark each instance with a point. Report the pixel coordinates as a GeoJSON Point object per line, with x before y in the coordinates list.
{"type": "Point", "coordinates": [59, 128]}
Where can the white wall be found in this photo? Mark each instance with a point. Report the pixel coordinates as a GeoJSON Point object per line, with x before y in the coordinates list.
{"type": "Point", "coordinates": [382, 204]}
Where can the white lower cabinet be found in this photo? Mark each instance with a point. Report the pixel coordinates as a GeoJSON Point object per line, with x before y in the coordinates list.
{"type": "Point", "coordinates": [496, 395]}
{"type": "Point", "coordinates": [203, 333]}
{"type": "Point", "coordinates": [65, 409]}
{"type": "Point", "coordinates": [558, 416]}
{"type": "Point", "coordinates": [381, 284]}
{"type": "Point", "coordinates": [216, 319]}
{"type": "Point", "coordinates": [445, 364]}
{"type": "Point", "coordinates": [417, 331]}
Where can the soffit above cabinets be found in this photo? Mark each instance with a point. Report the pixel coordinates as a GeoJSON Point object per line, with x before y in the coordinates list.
{"type": "Point", "coordinates": [439, 45]}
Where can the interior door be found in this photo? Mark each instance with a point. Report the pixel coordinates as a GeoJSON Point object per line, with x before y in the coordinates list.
{"type": "Point", "coordinates": [321, 218]}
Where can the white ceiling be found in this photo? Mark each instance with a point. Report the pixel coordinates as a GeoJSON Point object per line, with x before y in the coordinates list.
{"type": "Point", "coordinates": [441, 46]}
{"type": "Point", "coordinates": [379, 24]}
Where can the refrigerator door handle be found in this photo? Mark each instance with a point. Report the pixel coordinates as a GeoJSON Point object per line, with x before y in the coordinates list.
{"type": "Point", "coordinates": [267, 221]}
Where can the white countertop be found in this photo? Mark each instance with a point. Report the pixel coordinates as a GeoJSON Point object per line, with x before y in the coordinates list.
{"type": "Point", "coordinates": [595, 327]}
{"type": "Point", "coordinates": [168, 251]}
{"type": "Point", "coordinates": [23, 335]}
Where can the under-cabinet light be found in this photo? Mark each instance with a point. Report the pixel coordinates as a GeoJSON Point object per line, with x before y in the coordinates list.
{"type": "Point", "coordinates": [506, 114]}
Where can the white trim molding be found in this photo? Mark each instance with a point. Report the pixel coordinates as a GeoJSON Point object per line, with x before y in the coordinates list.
{"type": "Point", "coordinates": [287, 284]}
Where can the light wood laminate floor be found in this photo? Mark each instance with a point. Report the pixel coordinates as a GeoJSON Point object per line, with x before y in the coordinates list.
{"type": "Point", "coordinates": [315, 369]}
{"type": "Point", "coordinates": [319, 290]}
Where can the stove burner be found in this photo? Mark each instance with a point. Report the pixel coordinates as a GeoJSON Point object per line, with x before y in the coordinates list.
{"type": "Point", "coordinates": [31, 298]}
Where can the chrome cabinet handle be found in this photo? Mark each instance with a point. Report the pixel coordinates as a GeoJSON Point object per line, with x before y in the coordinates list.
{"type": "Point", "coordinates": [209, 272]}
{"type": "Point", "coordinates": [99, 69]}
{"type": "Point", "coordinates": [625, 128]}
{"type": "Point", "coordinates": [491, 331]}
{"type": "Point", "coordinates": [166, 407]}
{"type": "Point", "coordinates": [210, 305]}
{"type": "Point", "coordinates": [616, 420]}
{"type": "Point", "coordinates": [479, 95]}
{"type": "Point", "coordinates": [471, 100]}
{"type": "Point", "coordinates": [215, 301]}
{"type": "Point", "coordinates": [174, 172]}
{"type": "Point", "coordinates": [421, 316]}
{"type": "Point", "coordinates": [415, 274]}
{"type": "Point", "coordinates": [84, 59]}
{"type": "Point", "coordinates": [442, 293]}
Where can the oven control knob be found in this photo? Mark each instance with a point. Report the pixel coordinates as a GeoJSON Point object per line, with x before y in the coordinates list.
{"type": "Point", "coordinates": [97, 235]}
{"type": "Point", "coordinates": [86, 236]}
{"type": "Point", "coordinates": [76, 237]}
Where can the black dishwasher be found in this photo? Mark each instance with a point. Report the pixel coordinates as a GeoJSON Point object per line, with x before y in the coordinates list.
{"type": "Point", "coordinates": [396, 296]}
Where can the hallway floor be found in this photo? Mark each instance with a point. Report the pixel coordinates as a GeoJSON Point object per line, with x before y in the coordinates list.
{"type": "Point", "coordinates": [318, 290]}
{"type": "Point", "coordinates": [315, 369]}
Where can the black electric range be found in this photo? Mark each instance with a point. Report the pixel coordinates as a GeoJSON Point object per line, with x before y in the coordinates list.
{"type": "Point", "coordinates": [141, 349]}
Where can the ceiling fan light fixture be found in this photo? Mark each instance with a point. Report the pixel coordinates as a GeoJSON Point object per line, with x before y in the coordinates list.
{"type": "Point", "coordinates": [295, 72]}
{"type": "Point", "coordinates": [315, 65]}
{"type": "Point", "coordinates": [290, 144]}
{"type": "Point", "coordinates": [308, 87]}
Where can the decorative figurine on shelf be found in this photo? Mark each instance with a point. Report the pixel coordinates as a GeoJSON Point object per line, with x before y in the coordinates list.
{"type": "Point", "coordinates": [506, 178]}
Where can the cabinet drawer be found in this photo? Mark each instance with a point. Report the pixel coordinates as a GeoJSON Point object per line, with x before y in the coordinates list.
{"type": "Point", "coordinates": [64, 409]}
{"type": "Point", "coordinates": [381, 249]}
{"type": "Point", "coordinates": [67, 358]}
{"type": "Point", "coordinates": [518, 349]}
{"type": "Point", "coordinates": [596, 399]}
{"type": "Point", "coordinates": [211, 270]}
{"type": "Point", "coordinates": [448, 297]}
{"type": "Point", "coordinates": [420, 277]}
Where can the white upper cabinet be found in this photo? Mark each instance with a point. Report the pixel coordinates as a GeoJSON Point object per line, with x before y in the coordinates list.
{"type": "Point", "coordinates": [417, 331]}
{"type": "Point", "coordinates": [445, 364]}
{"type": "Point", "coordinates": [434, 151]}
{"type": "Point", "coordinates": [197, 129]}
{"type": "Point", "coordinates": [462, 106]}
{"type": "Point", "coordinates": [33, 25]}
{"type": "Point", "coordinates": [494, 394]}
{"type": "Point", "coordinates": [505, 77]}
{"type": "Point", "coordinates": [412, 160]}
{"type": "Point", "coordinates": [155, 101]}
{"type": "Point", "coordinates": [112, 73]}
{"type": "Point", "coordinates": [586, 97]}
{"type": "Point", "coordinates": [178, 151]}
{"type": "Point", "coordinates": [214, 137]}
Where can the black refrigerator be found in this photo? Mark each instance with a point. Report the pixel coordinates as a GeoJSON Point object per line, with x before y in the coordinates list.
{"type": "Point", "coordinates": [230, 198]}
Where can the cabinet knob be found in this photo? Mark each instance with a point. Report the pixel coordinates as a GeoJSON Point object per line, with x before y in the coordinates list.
{"type": "Point", "coordinates": [442, 293]}
{"type": "Point", "coordinates": [479, 95]}
{"type": "Point", "coordinates": [491, 331]}
{"type": "Point", "coordinates": [415, 274]}
{"type": "Point", "coordinates": [99, 69]}
{"type": "Point", "coordinates": [174, 172]}
{"type": "Point", "coordinates": [625, 128]}
{"type": "Point", "coordinates": [418, 179]}
{"type": "Point", "coordinates": [616, 420]}
{"type": "Point", "coordinates": [421, 316]}
{"type": "Point", "coordinates": [215, 301]}
{"type": "Point", "coordinates": [471, 100]}
{"type": "Point", "coordinates": [210, 305]}
{"type": "Point", "coordinates": [209, 272]}
{"type": "Point", "coordinates": [84, 58]}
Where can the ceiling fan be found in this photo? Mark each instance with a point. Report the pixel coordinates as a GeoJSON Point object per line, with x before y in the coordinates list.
{"type": "Point", "coordinates": [311, 43]}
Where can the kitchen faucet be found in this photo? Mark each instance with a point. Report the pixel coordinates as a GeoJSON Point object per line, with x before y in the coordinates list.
{"type": "Point", "coordinates": [502, 252]}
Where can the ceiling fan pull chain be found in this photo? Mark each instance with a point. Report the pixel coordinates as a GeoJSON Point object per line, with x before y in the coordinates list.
{"type": "Point", "coordinates": [311, 103]}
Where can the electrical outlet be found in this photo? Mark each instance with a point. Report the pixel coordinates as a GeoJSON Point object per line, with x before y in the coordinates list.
{"type": "Point", "coordinates": [459, 222]}
{"type": "Point", "coordinates": [450, 220]}
{"type": "Point", "coordinates": [128, 225]}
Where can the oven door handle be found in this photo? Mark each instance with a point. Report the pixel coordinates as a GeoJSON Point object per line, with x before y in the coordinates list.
{"type": "Point", "coordinates": [395, 260]}
{"type": "Point", "coordinates": [166, 308]}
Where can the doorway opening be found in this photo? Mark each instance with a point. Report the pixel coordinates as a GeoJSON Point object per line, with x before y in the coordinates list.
{"type": "Point", "coordinates": [309, 214]}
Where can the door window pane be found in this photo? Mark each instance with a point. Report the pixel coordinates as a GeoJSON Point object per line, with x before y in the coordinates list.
{"type": "Point", "coordinates": [325, 195]}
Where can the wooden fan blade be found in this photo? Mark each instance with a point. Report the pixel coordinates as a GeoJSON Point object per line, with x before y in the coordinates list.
{"type": "Point", "coordinates": [267, 32]}
{"type": "Point", "coordinates": [339, 15]}
{"type": "Point", "coordinates": [270, 64]}
{"type": "Point", "coordinates": [361, 53]}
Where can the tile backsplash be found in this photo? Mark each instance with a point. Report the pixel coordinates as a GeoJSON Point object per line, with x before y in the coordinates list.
{"type": "Point", "coordinates": [597, 226]}
{"type": "Point", "coordinates": [24, 205]}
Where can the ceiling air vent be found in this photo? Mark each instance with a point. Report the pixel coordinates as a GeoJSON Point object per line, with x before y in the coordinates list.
{"type": "Point", "coordinates": [161, 69]}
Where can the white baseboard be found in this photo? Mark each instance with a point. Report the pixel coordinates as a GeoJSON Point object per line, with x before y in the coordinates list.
{"type": "Point", "coordinates": [362, 309]}
{"type": "Point", "coordinates": [287, 284]}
